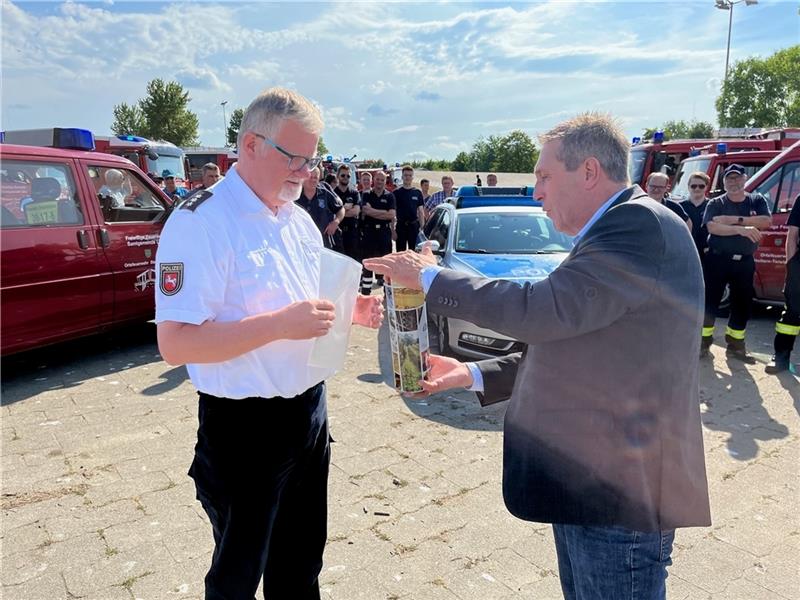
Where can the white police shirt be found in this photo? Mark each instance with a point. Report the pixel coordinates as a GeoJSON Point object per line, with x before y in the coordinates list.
{"type": "Point", "coordinates": [223, 256]}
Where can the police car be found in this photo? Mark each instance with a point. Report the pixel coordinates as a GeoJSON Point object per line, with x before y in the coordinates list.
{"type": "Point", "coordinates": [491, 232]}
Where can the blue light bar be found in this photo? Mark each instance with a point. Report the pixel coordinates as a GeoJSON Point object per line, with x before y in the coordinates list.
{"type": "Point", "coordinates": [636, 140]}
{"type": "Point", "coordinates": [658, 136]}
{"type": "Point", "coordinates": [53, 137]}
{"type": "Point", "coordinates": [132, 138]}
{"type": "Point", "coordinates": [329, 158]}
{"type": "Point", "coordinates": [694, 152]}
{"type": "Point", "coordinates": [722, 148]}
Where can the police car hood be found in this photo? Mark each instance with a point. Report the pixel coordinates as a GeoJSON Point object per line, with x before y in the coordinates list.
{"type": "Point", "coordinates": [522, 268]}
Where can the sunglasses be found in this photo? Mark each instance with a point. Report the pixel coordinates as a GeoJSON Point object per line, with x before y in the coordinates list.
{"type": "Point", "coordinates": [345, 175]}
{"type": "Point", "coordinates": [698, 186]}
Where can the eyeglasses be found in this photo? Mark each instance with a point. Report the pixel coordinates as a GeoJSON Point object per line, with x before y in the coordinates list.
{"type": "Point", "coordinates": [296, 162]}
{"type": "Point", "coordinates": [345, 175]}
{"type": "Point", "coordinates": [656, 187]}
{"type": "Point", "coordinates": [697, 186]}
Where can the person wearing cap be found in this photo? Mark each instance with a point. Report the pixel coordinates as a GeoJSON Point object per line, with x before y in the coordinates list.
{"type": "Point", "coordinates": [170, 188]}
{"type": "Point", "coordinates": [734, 221]}
{"type": "Point", "coordinates": [787, 328]}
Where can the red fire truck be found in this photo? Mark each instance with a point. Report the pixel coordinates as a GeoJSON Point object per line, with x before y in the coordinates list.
{"type": "Point", "coordinates": [665, 156]}
{"type": "Point", "coordinates": [149, 156]}
{"type": "Point", "coordinates": [76, 256]}
{"type": "Point", "coordinates": [714, 165]}
{"type": "Point", "coordinates": [197, 156]}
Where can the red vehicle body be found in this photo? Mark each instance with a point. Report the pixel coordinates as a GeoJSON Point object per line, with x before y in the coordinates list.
{"type": "Point", "coordinates": [197, 156]}
{"type": "Point", "coordinates": [649, 157]}
{"type": "Point", "coordinates": [74, 261]}
{"type": "Point", "coordinates": [714, 165]}
{"type": "Point", "coordinates": [149, 156]}
{"type": "Point", "coordinates": [779, 182]}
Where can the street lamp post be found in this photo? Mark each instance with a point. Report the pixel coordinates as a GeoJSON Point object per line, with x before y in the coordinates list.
{"type": "Point", "coordinates": [728, 5]}
{"type": "Point", "coordinates": [224, 124]}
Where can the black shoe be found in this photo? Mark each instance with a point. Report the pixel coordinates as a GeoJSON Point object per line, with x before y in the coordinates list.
{"type": "Point", "coordinates": [739, 353]}
{"type": "Point", "coordinates": [705, 346]}
{"type": "Point", "coordinates": [778, 364]}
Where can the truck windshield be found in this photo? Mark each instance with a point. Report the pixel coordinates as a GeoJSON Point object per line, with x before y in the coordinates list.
{"type": "Point", "coordinates": [636, 165]}
{"type": "Point", "coordinates": [680, 187]}
{"type": "Point", "coordinates": [164, 162]}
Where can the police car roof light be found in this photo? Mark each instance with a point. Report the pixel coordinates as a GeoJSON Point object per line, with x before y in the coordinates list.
{"type": "Point", "coordinates": [636, 140]}
{"type": "Point", "coordinates": [722, 148]}
{"type": "Point", "coordinates": [694, 152]}
{"type": "Point", "coordinates": [53, 137]}
{"type": "Point", "coordinates": [132, 138]}
{"type": "Point", "coordinates": [658, 136]}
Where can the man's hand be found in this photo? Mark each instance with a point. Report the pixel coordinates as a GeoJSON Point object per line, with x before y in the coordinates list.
{"type": "Point", "coordinates": [444, 374]}
{"type": "Point", "coordinates": [305, 320]}
{"type": "Point", "coordinates": [368, 311]}
{"type": "Point", "coordinates": [751, 233]}
{"type": "Point", "coordinates": [331, 228]}
{"type": "Point", "coordinates": [403, 268]}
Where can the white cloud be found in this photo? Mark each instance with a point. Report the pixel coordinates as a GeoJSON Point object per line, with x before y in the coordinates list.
{"type": "Point", "coordinates": [406, 129]}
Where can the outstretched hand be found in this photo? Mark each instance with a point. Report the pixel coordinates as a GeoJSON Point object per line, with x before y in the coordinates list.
{"type": "Point", "coordinates": [403, 268]}
{"type": "Point", "coordinates": [443, 374]}
{"type": "Point", "coordinates": [368, 311]}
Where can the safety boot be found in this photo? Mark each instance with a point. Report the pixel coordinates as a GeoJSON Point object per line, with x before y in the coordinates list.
{"type": "Point", "coordinates": [736, 349]}
{"type": "Point", "coordinates": [778, 364]}
{"type": "Point", "coordinates": [705, 345]}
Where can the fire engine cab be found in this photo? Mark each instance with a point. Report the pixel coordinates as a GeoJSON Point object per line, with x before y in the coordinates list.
{"type": "Point", "coordinates": [79, 237]}
{"type": "Point", "coordinates": [197, 156]}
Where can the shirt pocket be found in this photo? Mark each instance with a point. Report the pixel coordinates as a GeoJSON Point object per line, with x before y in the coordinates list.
{"type": "Point", "coordinates": [260, 275]}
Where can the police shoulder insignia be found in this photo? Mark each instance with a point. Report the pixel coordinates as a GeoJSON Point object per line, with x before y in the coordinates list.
{"type": "Point", "coordinates": [170, 280]}
{"type": "Point", "coordinates": [196, 200]}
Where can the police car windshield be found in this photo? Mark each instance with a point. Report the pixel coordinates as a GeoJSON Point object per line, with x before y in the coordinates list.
{"type": "Point", "coordinates": [680, 187]}
{"type": "Point", "coordinates": [509, 233]}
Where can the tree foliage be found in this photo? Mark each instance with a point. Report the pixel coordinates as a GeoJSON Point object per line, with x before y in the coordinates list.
{"type": "Point", "coordinates": [163, 114]}
{"type": "Point", "coordinates": [675, 130]}
{"type": "Point", "coordinates": [234, 124]}
{"type": "Point", "coordinates": [321, 147]}
{"type": "Point", "coordinates": [514, 152]}
{"type": "Point", "coordinates": [762, 92]}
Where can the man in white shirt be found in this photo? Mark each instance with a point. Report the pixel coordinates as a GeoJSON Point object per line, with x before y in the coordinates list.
{"type": "Point", "coordinates": [117, 187]}
{"type": "Point", "coordinates": [238, 305]}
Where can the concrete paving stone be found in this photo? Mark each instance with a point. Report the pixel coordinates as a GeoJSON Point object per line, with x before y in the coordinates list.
{"type": "Point", "coordinates": [99, 495]}
{"type": "Point", "coordinates": [9, 462]}
{"type": "Point", "coordinates": [32, 440]}
{"type": "Point", "coordinates": [191, 545]}
{"type": "Point", "coordinates": [538, 547]}
{"type": "Point", "coordinates": [131, 466]}
{"type": "Point", "coordinates": [778, 572]}
{"type": "Point", "coordinates": [85, 518]}
{"type": "Point", "coordinates": [152, 529]}
{"type": "Point", "coordinates": [680, 589]}
{"type": "Point", "coordinates": [430, 522]}
{"type": "Point", "coordinates": [114, 571]}
{"type": "Point", "coordinates": [710, 567]}
{"type": "Point", "coordinates": [759, 530]}
{"type": "Point", "coordinates": [358, 550]}
{"type": "Point", "coordinates": [431, 591]}
{"type": "Point", "coordinates": [513, 569]}
{"type": "Point", "coordinates": [353, 518]}
{"type": "Point", "coordinates": [416, 495]}
{"type": "Point", "coordinates": [375, 458]}
{"type": "Point", "coordinates": [171, 496]}
{"type": "Point", "coordinates": [48, 586]}
{"type": "Point", "coordinates": [742, 588]}
{"type": "Point", "coordinates": [27, 537]}
{"type": "Point", "coordinates": [36, 401]}
{"type": "Point", "coordinates": [547, 588]}
{"type": "Point", "coordinates": [475, 581]}
{"type": "Point", "coordinates": [24, 419]}
{"type": "Point", "coordinates": [35, 511]}
{"type": "Point", "coordinates": [357, 585]}
{"type": "Point", "coordinates": [344, 490]}
{"type": "Point", "coordinates": [410, 570]}
{"type": "Point", "coordinates": [21, 567]}
{"type": "Point", "coordinates": [182, 582]}
{"type": "Point", "coordinates": [479, 470]}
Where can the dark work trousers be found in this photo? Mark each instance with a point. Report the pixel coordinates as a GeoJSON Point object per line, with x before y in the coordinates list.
{"type": "Point", "coordinates": [407, 233]}
{"type": "Point", "coordinates": [787, 327]}
{"type": "Point", "coordinates": [351, 240]}
{"type": "Point", "coordinates": [261, 473]}
{"type": "Point", "coordinates": [720, 270]}
{"type": "Point", "coordinates": [377, 242]}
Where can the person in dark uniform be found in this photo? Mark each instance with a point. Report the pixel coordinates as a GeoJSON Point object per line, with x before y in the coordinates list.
{"type": "Point", "coordinates": [325, 208]}
{"type": "Point", "coordinates": [787, 327]}
{"type": "Point", "coordinates": [238, 306]}
{"type": "Point", "coordinates": [379, 209]}
{"type": "Point", "coordinates": [695, 207]}
{"type": "Point", "coordinates": [734, 221]}
{"type": "Point", "coordinates": [658, 190]}
{"type": "Point", "coordinates": [352, 208]}
{"type": "Point", "coordinates": [410, 212]}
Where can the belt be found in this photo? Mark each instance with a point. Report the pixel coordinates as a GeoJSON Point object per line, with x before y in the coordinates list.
{"type": "Point", "coordinates": [736, 257]}
{"type": "Point", "coordinates": [378, 226]}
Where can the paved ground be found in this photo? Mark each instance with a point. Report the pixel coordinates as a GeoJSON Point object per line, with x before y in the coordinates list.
{"type": "Point", "coordinates": [98, 435]}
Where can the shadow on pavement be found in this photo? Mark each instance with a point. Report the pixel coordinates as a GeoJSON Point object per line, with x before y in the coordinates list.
{"type": "Point", "coordinates": [67, 365]}
{"type": "Point", "coordinates": [457, 408]}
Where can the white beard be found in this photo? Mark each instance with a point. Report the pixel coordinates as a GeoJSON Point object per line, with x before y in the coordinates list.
{"type": "Point", "coordinates": [289, 192]}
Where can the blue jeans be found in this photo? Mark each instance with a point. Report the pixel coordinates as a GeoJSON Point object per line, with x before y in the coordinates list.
{"type": "Point", "coordinates": [612, 563]}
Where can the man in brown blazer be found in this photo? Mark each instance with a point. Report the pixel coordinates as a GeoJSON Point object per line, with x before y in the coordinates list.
{"type": "Point", "coordinates": [603, 435]}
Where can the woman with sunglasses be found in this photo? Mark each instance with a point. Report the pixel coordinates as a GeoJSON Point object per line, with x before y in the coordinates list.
{"type": "Point", "coordinates": [695, 207]}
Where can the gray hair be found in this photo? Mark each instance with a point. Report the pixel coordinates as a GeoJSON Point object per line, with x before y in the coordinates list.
{"type": "Point", "coordinates": [592, 134]}
{"type": "Point", "coordinates": [114, 176]}
{"type": "Point", "coordinates": [274, 106]}
{"type": "Point", "coordinates": [657, 175]}
{"type": "Point", "coordinates": [210, 166]}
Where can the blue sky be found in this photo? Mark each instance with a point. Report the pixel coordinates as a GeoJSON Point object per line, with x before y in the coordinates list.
{"type": "Point", "coordinates": [394, 80]}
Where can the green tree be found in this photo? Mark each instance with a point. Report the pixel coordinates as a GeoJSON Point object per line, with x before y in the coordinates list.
{"type": "Point", "coordinates": [321, 147]}
{"type": "Point", "coordinates": [234, 123]}
{"type": "Point", "coordinates": [462, 162]}
{"type": "Point", "coordinates": [128, 120]}
{"type": "Point", "coordinates": [681, 129]}
{"type": "Point", "coordinates": [514, 153]}
{"type": "Point", "coordinates": [164, 114]}
{"type": "Point", "coordinates": [762, 92]}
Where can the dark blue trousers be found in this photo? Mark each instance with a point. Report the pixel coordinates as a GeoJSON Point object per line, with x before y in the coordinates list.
{"type": "Point", "coordinates": [261, 473]}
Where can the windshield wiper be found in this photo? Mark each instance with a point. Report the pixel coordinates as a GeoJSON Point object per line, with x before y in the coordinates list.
{"type": "Point", "coordinates": [475, 251]}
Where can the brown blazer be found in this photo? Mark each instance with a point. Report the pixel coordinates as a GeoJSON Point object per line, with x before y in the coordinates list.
{"type": "Point", "coordinates": [603, 426]}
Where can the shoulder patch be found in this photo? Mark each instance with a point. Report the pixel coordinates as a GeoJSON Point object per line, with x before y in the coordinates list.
{"type": "Point", "coordinates": [170, 280]}
{"type": "Point", "coordinates": [193, 201]}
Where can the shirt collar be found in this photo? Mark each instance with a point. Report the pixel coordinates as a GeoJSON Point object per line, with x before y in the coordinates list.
{"type": "Point", "coordinates": [599, 213]}
{"type": "Point", "coordinates": [247, 199]}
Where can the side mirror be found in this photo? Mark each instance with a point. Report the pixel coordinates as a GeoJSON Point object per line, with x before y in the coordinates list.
{"type": "Point", "coordinates": [152, 155]}
{"type": "Point", "coordinates": [432, 244]}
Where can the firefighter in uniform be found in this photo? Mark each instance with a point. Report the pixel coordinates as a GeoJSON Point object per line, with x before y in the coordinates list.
{"type": "Point", "coordinates": [325, 209]}
{"type": "Point", "coordinates": [378, 208]}
{"type": "Point", "coordinates": [237, 305]}
{"type": "Point", "coordinates": [788, 326]}
{"type": "Point", "coordinates": [352, 208]}
{"type": "Point", "coordinates": [410, 211]}
{"type": "Point", "coordinates": [734, 221]}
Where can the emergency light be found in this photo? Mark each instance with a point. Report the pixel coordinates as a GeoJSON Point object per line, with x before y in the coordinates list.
{"type": "Point", "coordinates": [694, 152]}
{"type": "Point", "coordinates": [54, 137]}
{"type": "Point", "coordinates": [658, 136]}
{"type": "Point", "coordinates": [132, 138]}
{"type": "Point", "coordinates": [636, 140]}
{"type": "Point", "coordinates": [722, 148]}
